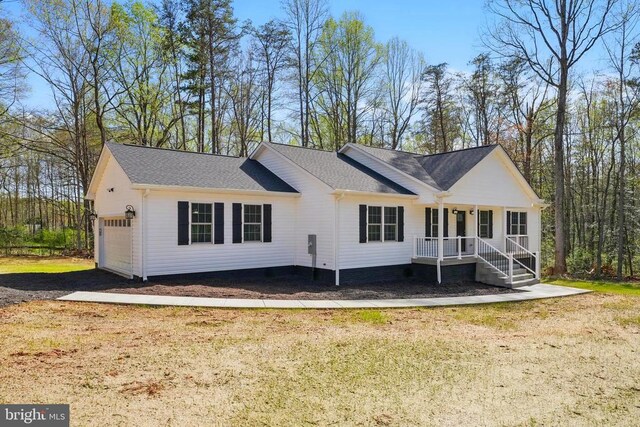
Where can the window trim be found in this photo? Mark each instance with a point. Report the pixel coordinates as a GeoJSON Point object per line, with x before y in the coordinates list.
{"type": "Point", "coordinates": [253, 223]}
{"type": "Point", "coordinates": [435, 222]}
{"type": "Point", "coordinates": [487, 224]}
{"type": "Point", "coordinates": [191, 223]}
{"type": "Point", "coordinates": [383, 223]}
{"type": "Point", "coordinates": [518, 223]}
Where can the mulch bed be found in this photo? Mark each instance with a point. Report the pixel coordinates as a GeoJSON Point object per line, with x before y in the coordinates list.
{"type": "Point", "coordinates": [20, 287]}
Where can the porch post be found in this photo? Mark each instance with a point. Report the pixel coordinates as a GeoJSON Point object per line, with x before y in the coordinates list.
{"type": "Point", "coordinates": [440, 229]}
{"type": "Point", "coordinates": [475, 228]}
{"type": "Point", "coordinates": [504, 228]}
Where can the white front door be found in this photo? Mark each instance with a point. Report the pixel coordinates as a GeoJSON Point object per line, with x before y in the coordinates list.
{"type": "Point", "coordinates": [116, 246]}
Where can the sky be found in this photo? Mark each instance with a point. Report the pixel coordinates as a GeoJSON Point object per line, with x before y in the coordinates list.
{"type": "Point", "coordinates": [443, 30]}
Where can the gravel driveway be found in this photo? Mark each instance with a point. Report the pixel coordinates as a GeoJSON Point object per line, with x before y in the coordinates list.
{"type": "Point", "coordinates": [20, 287]}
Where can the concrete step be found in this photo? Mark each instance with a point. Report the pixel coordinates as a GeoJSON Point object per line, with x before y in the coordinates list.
{"type": "Point", "coordinates": [527, 282]}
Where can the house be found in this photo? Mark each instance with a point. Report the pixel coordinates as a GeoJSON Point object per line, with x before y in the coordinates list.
{"type": "Point", "coordinates": [359, 214]}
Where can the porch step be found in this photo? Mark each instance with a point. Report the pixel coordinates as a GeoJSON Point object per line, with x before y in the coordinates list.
{"type": "Point", "coordinates": [485, 273]}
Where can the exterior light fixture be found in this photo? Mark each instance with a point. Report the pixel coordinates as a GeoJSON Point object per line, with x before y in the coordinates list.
{"type": "Point", "coordinates": [129, 213]}
{"type": "Point", "coordinates": [472, 212]}
{"type": "Point", "coordinates": [454, 211]}
{"type": "Point", "coordinates": [93, 215]}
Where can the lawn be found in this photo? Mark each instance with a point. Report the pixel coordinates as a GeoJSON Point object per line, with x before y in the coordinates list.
{"type": "Point", "coordinates": [566, 361]}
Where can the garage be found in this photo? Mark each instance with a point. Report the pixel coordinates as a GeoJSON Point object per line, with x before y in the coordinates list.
{"type": "Point", "coordinates": [115, 247]}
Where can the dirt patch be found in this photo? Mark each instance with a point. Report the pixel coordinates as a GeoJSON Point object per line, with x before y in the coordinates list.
{"type": "Point", "coordinates": [22, 287]}
{"type": "Point", "coordinates": [299, 289]}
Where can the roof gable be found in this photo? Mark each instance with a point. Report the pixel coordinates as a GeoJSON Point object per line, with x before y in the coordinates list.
{"type": "Point", "coordinates": [447, 168]}
{"type": "Point", "coordinates": [338, 171]}
{"type": "Point", "coordinates": [173, 168]}
{"type": "Point", "coordinates": [405, 162]}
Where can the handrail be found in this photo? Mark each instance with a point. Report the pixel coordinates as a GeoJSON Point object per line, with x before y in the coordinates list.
{"type": "Point", "coordinates": [527, 252]}
{"type": "Point", "coordinates": [501, 256]}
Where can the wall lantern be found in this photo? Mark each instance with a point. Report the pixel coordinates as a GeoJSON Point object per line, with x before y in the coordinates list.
{"type": "Point", "coordinates": [129, 213]}
{"type": "Point", "coordinates": [93, 215]}
{"type": "Point", "coordinates": [455, 211]}
{"type": "Point", "coordinates": [472, 211]}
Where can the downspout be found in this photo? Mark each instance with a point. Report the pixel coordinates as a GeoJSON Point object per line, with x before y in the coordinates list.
{"type": "Point", "coordinates": [336, 237]}
{"type": "Point", "coordinates": [143, 230]}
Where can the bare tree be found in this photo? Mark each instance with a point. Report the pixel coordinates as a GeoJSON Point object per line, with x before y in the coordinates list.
{"type": "Point", "coordinates": [403, 68]}
{"type": "Point", "coordinates": [11, 71]}
{"type": "Point", "coordinates": [272, 40]}
{"type": "Point", "coordinates": [562, 31]}
{"type": "Point", "coordinates": [627, 101]}
{"type": "Point", "coordinates": [305, 19]}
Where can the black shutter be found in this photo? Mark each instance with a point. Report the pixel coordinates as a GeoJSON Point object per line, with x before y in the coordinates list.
{"type": "Point", "coordinates": [237, 222]}
{"type": "Point", "coordinates": [183, 223]}
{"type": "Point", "coordinates": [266, 226]}
{"type": "Point", "coordinates": [490, 224]}
{"type": "Point", "coordinates": [508, 222]}
{"type": "Point", "coordinates": [445, 223]}
{"type": "Point", "coordinates": [363, 223]}
{"type": "Point", "coordinates": [218, 223]}
{"type": "Point", "coordinates": [427, 222]}
{"type": "Point", "coordinates": [400, 223]}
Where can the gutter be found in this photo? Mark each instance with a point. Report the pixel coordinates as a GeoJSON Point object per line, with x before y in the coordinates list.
{"type": "Point", "coordinates": [213, 190]}
{"type": "Point", "coordinates": [345, 192]}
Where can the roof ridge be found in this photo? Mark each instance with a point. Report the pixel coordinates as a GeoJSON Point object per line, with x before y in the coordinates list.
{"type": "Point", "coordinates": [492, 146]}
{"type": "Point", "coordinates": [299, 146]}
{"type": "Point", "coordinates": [175, 150]}
{"type": "Point", "coordinates": [391, 149]}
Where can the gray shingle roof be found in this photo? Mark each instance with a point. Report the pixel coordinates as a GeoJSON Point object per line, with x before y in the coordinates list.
{"type": "Point", "coordinates": [448, 168]}
{"type": "Point", "coordinates": [338, 171]}
{"type": "Point", "coordinates": [405, 162]}
{"type": "Point", "coordinates": [441, 170]}
{"type": "Point", "coordinates": [156, 166]}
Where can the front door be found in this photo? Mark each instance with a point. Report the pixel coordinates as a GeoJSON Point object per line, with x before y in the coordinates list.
{"type": "Point", "coordinates": [461, 228]}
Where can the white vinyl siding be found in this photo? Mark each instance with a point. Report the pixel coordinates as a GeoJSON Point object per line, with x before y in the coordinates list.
{"type": "Point", "coordinates": [314, 210]}
{"type": "Point", "coordinates": [112, 204]}
{"type": "Point", "coordinates": [164, 256]}
{"type": "Point", "coordinates": [354, 254]}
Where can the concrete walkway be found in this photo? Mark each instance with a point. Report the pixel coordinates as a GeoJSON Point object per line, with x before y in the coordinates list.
{"type": "Point", "coordinates": [532, 292]}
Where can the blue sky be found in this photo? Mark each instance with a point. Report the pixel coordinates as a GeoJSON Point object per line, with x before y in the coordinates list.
{"type": "Point", "coordinates": [443, 30]}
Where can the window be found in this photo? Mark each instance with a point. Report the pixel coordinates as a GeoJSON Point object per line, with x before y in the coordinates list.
{"type": "Point", "coordinates": [201, 219]}
{"type": "Point", "coordinates": [252, 224]}
{"type": "Point", "coordinates": [390, 224]}
{"type": "Point", "coordinates": [434, 223]}
{"type": "Point", "coordinates": [374, 224]}
{"type": "Point", "coordinates": [382, 224]}
{"type": "Point", "coordinates": [518, 223]}
{"type": "Point", "coordinates": [484, 224]}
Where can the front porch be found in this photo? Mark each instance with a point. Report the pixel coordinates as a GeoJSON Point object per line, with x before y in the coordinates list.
{"type": "Point", "coordinates": [503, 242]}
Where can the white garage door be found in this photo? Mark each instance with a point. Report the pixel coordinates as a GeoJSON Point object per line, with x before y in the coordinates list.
{"type": "Point", "coordinates": [116, 245]}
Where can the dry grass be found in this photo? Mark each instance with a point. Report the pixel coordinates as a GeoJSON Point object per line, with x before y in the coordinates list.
{"type": "Point", "coordinates": [569, 361]}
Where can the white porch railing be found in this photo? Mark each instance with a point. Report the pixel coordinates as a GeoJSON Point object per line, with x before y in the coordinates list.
{"type": "Point", "coordinates": [520, 239]}
{"type": "Point", "coordinates": [459, 247]}
{"type": "Point", "coordinates": [528, 260]}
{"type": "Point", "coordinates": [452, 247]}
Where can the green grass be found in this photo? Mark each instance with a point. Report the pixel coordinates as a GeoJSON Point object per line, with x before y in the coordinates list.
{"type": "Point", "coordinates": [9, 265]}
{"type": "Point", "coordinates": [622, 288]}
{"type": "Point", "coordinates": [373, 317]}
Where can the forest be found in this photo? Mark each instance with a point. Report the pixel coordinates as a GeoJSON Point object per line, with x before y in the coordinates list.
{"type": "Point", "coordinates": [190, 75]}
